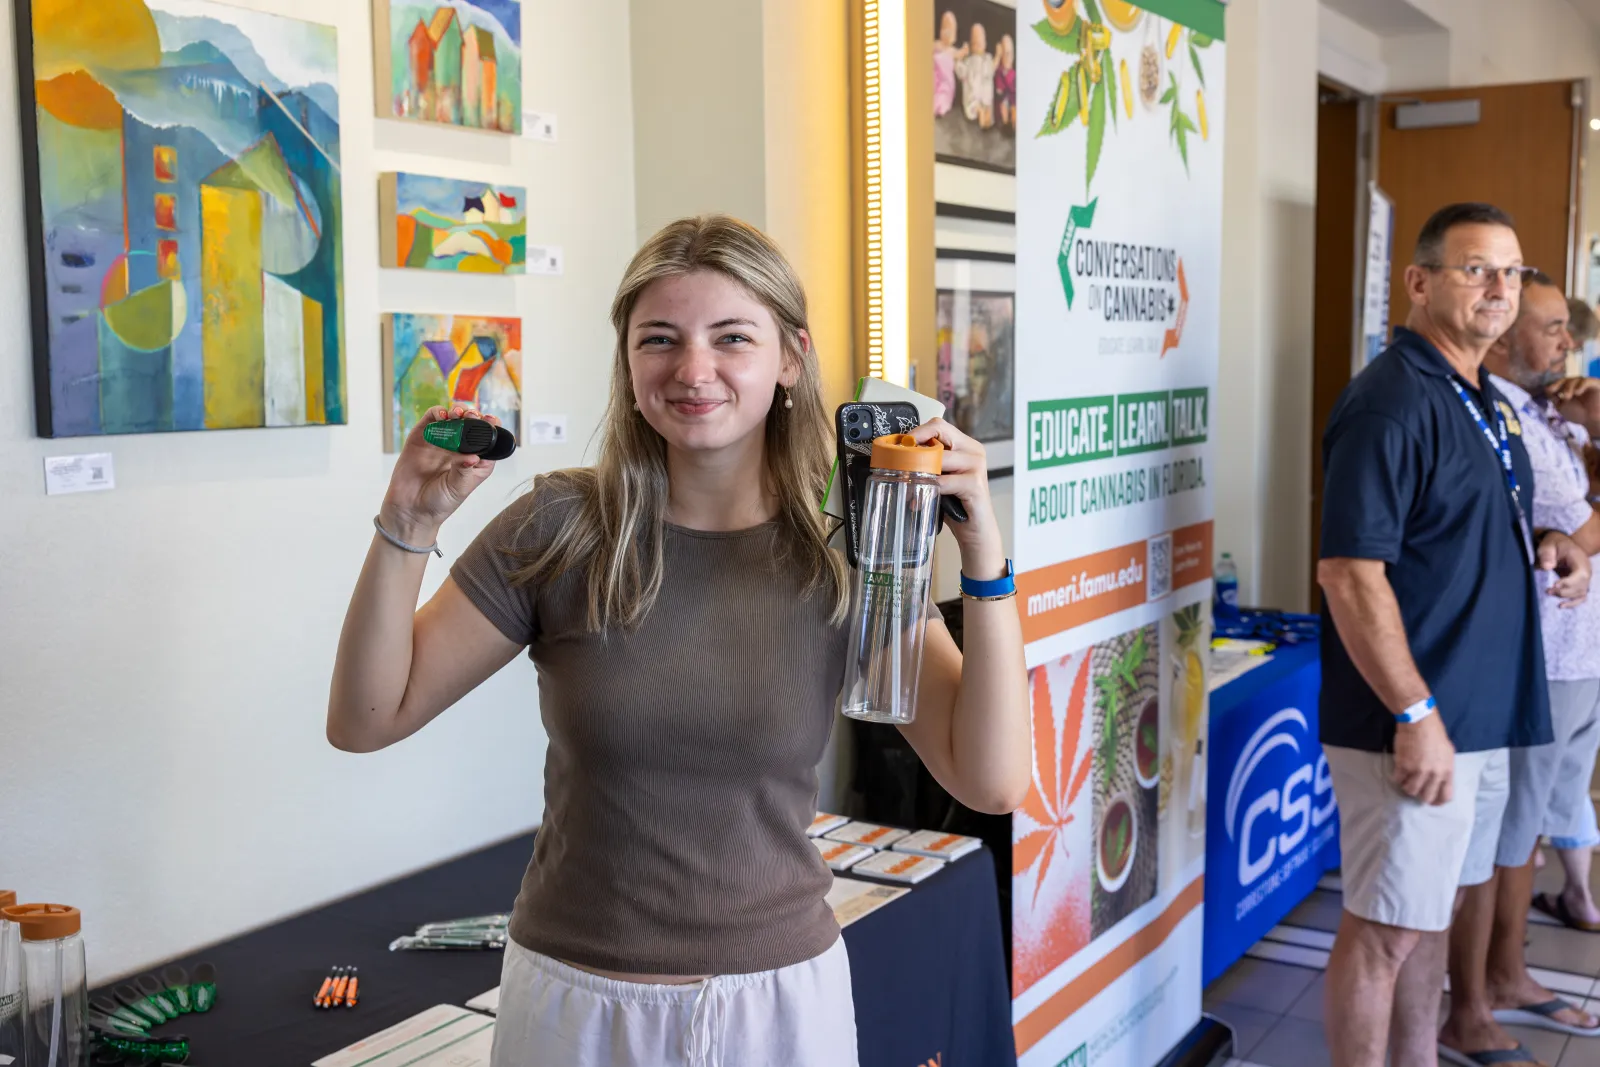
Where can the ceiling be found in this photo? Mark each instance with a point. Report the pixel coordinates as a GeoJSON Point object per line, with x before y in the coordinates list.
{"type": "Point", "coordinates": [1394, 18]}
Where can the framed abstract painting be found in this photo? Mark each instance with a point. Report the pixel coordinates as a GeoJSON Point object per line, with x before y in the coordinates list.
{"type": "Point", "coordinates": [181, 164]}
{"type": "Point", "coordinates": [451, 225]}
{"type": "Point", "coordinates": [440, 360]}
{"type": "Point", "coordinates": [457, 62]}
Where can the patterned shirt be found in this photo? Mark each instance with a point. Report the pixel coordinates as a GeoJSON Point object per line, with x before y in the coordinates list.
{"type": "Point", "coordinates": [1560, 502]}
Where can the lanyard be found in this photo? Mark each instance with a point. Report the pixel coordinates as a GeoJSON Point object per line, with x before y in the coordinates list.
{"type": "Point", "coordinates": [1502, 448]}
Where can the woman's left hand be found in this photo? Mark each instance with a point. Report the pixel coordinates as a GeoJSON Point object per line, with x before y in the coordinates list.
{"type": "Point", "coordinates": [966, 477]}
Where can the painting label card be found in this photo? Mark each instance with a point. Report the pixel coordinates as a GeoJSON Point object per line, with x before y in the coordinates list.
{"type": "Point", "coordinates": [545, 259]}
{"type": "Point", "coordinates": [545, 430]}
{"type": "Point", "coordinates": [538, 126]}
{"type": "Point", "coordinates": [91, 473]}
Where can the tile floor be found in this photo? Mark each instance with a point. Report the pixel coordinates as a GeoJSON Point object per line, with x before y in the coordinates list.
{"type": "Point", "coordinates": [1273, 997]}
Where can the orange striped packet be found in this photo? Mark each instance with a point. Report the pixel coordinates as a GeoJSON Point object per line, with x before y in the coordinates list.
{"type": "Point", "coordinates": [867, 833]}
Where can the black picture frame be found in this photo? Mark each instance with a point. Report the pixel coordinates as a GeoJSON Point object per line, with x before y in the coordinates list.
{"type": "Point", "coordinates": [33, 218]}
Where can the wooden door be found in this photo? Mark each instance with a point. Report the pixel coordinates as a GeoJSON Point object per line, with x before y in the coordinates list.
{"type": "Point", "coordinates": [1521, 155]}
{"type": "Point", "coordinates": [1335, 288]}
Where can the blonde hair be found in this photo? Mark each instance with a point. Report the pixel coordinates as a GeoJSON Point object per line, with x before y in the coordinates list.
{"type": "Point", "coordinates": [615, 533]}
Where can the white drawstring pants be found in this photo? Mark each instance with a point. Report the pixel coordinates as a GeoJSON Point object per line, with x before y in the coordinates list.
{"type": "Point", "coordinates": [553, 1015]}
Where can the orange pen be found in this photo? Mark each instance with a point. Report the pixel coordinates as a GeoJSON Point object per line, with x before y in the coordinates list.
{"type": "Point", "coordinates": [350, 995]}
{"type": "Point", "coordinates": [339, 986]}
{"type": "Point", "coordinates": [321, 999]}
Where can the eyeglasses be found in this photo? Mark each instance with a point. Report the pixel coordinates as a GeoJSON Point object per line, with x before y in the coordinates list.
{"type": "Point", "coordinates": [1479, 275]}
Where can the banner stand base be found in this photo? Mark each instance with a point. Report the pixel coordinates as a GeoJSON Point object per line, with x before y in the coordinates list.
{"type": "Point", "coordinates": [1208, 1042]}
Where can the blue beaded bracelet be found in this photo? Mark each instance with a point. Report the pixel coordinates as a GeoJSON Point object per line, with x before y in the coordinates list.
{"type": "Point", "coordinates": [993, 589]}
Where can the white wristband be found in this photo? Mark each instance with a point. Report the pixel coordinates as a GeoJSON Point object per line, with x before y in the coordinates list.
{"type": "Point", "coordinates": [1418, 711]}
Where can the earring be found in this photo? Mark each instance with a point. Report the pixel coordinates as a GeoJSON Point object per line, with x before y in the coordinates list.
{"type": "Point", "coordinates": [636, 405]}
{"type": "Point", "coordinates": [788, 401]}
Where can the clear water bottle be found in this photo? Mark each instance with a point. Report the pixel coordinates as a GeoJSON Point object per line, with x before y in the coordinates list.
{"type": "Point", "coordinates": [10, 984]}
{"type": "Point", "coordinates": [1227, 578]}
{"type": "Point", "coordinates": [889, 603]}
{"type": "Point", "coordinates": [55, 990]}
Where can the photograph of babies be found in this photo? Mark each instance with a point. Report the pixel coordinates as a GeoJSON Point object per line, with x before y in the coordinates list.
{"type": "Point", "coordinates": [975, 84]}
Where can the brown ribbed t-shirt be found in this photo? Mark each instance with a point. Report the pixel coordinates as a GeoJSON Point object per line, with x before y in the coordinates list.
{"type": "Point", "coordinates": [681, 772]}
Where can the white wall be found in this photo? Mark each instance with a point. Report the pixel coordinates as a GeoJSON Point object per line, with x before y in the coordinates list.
{"type": "Point", "coordinates": [699, 115]}
{"type": "Point", "coordinates": [1263, 460]}
{"type": "Point", "coordinates": [165, 648]}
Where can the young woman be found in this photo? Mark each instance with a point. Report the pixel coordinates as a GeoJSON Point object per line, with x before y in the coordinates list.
{"type": "Point", "coordinates": [686, 617]}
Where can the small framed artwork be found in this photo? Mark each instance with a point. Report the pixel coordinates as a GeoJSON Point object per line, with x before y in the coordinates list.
{"type": "Point", "coordinates": [451, 225]}
{"type": "Point", "coordinates": [456, 62]}
{"type": "Point", "coordinates": [975, 84]}
{"type": "Point", "coordinates": [439, 360]}
{"type": "Point", "coordinates": [976, 337]}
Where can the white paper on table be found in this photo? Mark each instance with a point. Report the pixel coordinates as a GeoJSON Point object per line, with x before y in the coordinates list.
{"type": "Point", "coordinates": [489, 1002]}
{"type": "Point", "coordinates": [442, 1036]}
{"type": "Point", "coordinates": [851, 899]}
{"type": "Point", "coordinates": [1226, 666]}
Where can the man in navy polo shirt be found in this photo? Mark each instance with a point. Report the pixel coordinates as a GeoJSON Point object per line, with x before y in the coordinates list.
{"type": "Point", "coordinates": [1431, 657]}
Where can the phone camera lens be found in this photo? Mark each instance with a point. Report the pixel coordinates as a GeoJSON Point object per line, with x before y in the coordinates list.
{"type": "Point", "coordinates": [855, 435]}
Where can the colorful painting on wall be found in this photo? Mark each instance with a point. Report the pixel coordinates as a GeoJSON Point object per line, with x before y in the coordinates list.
{"type": "Point", "coordinates": [457, 62]}
{"type": "Point", "coordinates": [182, 171]}
{"type": "Point", "coordinates": [446, 224]}
{"type": "Point", "coordinates": [974, 332]}
{"type": "Point", "coordinates": [437, 360]}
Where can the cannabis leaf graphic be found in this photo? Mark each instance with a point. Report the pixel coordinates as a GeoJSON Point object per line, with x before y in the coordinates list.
{"type": "Point", "coordinates": [1059, 772]}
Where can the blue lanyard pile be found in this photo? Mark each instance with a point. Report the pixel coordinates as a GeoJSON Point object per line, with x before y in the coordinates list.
{"type": "Point", "coordinates": [1502, 448]}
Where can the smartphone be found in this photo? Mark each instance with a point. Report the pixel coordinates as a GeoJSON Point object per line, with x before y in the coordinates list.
{"type": "Point", "coordinates": [858, 423]}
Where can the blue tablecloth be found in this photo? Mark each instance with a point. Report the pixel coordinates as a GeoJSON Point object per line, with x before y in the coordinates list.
{"type": "Point", "coordinates": [928, 970]}
{"type": "Point", "coordinates": [1272, 829]}
{"type": "Point", "coordinates": [929, 974]}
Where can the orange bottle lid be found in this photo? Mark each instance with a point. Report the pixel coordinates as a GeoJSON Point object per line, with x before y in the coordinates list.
{"type": "Point", "coordinates": [44, 922]}
{"type": "Point", "coordinates": [900, 452]}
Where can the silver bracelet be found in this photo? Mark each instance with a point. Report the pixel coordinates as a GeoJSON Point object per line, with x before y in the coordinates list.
{"type": "Point", "coordinates": [396, 542]}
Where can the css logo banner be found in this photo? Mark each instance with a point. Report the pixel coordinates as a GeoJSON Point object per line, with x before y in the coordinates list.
{"type": "Point", "coordinates": [1258, 849]}
{"type": "Point", "coordinates": [1272, 826]}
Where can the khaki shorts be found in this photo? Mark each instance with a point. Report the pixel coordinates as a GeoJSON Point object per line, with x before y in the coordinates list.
{"type": "Point", "coordinates": [1550, 783]}
{"type": "Point", "coordinates": [1402, 860]}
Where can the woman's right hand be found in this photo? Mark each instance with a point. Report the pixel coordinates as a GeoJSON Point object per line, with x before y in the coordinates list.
{"type": "Point", "coordinates": [429, 483]}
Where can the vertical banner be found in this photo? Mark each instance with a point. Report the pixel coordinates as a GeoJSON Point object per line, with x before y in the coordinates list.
{"type": "Point", "coordinates": [1119, 227]}
{"type": "Point", "coordinates": [1380, 254]}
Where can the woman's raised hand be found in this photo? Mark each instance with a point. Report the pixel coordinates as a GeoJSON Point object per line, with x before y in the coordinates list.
{"type": "Point", "coordinates": [966, 476]}
{"type": "Point", "coordinates": [429, 483]}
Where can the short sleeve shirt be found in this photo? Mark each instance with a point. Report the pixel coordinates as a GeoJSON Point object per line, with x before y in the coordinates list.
{"type": "Point", "coordinates": [1560, 502]}
{"type": "Point", "coordinates": [1411, 479]}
